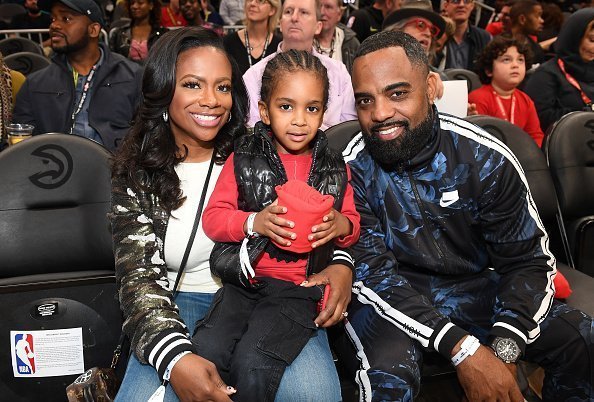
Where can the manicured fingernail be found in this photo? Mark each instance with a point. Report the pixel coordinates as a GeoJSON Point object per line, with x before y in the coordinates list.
{"type": "Point", "coordinates": [291, 224]}
{"type": "Point", "coordinates": [314, 245]}
{"type": "Point", "coordinates": [303, 283]}
{"type": "Point", "coordinates": [288, 243]}
{"type": "Point", "coordinates": [231, 389]}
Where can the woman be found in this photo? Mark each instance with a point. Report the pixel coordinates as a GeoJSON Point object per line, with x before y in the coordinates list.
{"type": "Point", "coordinates": [194, 106]}
{"type": "Point", "coordinates": [257, 40]}
{"type": "Point", "coordinates": [134, 39]}
{"type": "Point", "coordinates": [566, 83]}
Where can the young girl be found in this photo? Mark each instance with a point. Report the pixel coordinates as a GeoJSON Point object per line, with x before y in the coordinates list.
{"type": "Point", "coordinates": [502, 67]}
{"type": "Point", "coordinates": [259, 323]}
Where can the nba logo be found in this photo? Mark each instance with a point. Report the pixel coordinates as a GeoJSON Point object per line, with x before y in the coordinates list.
{"type": "Point", "coordinates": [24, 353]}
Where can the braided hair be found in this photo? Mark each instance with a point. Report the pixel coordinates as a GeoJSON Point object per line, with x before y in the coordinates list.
{"type": "Point", "coordinates": [292, 61]}
{"type": "Point", "coordinates": [5, 97]}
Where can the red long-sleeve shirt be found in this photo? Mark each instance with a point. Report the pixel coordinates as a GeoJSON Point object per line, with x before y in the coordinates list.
{"type": "Point", "coordinates": [223, 221]}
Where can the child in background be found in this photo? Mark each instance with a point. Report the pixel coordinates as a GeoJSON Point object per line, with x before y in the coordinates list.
{"type": "Point", "coordinates": [262, 318]}
{"type": "Point", "coordinates": [502, 67]}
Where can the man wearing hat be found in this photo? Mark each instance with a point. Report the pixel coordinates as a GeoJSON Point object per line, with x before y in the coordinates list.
{"type": "Point", "coordinates": [86, 90]}
{"type": "Point", "coordinates": [417, 18]}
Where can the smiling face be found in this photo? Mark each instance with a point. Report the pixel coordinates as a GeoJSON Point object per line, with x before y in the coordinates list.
{"type": "Point", "coordinates": [587, 44]}
{"type": "Point", "coordinates": [393, 104]}
{"type": "Point", "coordinates": [70, 31]}
{"type": "Point", "coordinates": [295, 111]}
{"type": "Point", "coordinates": [509, 70]}
{"type": "Point", "coordinates": [202, 100]}
{"type": "Point", "coordinates": [299, 24]}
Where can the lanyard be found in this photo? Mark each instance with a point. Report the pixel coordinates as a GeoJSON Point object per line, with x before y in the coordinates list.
{"type": "Point", "coordinates": [319, 47]}
{"type": "Point", "coordinates": [249, 50]}
{"type": "Point", "coordinates": [511, 119]}
{"type": "Point", "coordinates": [85, 91]}
{"type": "Point", "coordinates": [576, 84]}
{"type": "Point", "coordinates": [173, 19]}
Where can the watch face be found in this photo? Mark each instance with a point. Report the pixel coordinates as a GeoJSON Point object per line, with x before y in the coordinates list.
{"type": "Point", "coordinates": [507, 350]}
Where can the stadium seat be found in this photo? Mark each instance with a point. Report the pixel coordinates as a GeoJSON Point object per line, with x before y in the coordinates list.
{"type": "Point", "coordinates": [569, 149]}
{"type": "Point", "coordinates": [17, 44]}
{"type": "Point", "coordinates": [26, 62]}
{"type": "Point", "coordinates": [9, 10]}
{"type": "Point", "coordinates": [57, 266]}
{"type": "Point", "coordinates": [472, 78]}
{"type": "Point", "coordinates": [340, 134]}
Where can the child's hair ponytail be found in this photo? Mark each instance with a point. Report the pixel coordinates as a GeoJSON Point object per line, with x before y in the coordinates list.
{"type": "Point", "coordinates": [289, 62]}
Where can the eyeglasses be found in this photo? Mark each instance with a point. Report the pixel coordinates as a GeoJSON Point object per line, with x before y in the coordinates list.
{"type": "Point", "coordinates": [461, 1]}
{"type": "Point", "coordinates": [423, 25]}
{"type": "Point", "coordinates": [259, 2]}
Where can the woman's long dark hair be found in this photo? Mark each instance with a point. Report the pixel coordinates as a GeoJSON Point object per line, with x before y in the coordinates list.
{"type": "Point", "coordinates": [149, 154]}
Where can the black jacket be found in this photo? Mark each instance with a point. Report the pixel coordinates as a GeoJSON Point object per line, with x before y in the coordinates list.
{"type": "Point", "coordinates": [350, 44]}
{"type": "Point", "coordinates": [121, 38]}
{"type": "Point", "coordinates": [258, 169]}
{"type": "Point", "coordinates": [46, 99]}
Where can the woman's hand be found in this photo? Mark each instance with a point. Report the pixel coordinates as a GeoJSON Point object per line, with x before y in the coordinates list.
{"type": "Point", "coordinates": [195, 379]}
{"type": "Point", "coordinates": [334, 225]}
{"type": "Point", "coordinates": [340, 279]}
{"type": "Point", "coordinates": [268, 222]}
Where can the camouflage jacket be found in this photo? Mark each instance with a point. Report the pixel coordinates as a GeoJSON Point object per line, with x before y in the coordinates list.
{"type": "Point", "coordinates": [151, 318]}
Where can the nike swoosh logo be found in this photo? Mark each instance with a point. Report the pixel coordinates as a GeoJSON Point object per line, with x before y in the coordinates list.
{"type": "Point", "coordinates": [448, 198]}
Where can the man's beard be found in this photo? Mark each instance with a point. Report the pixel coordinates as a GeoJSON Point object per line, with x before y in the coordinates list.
{"type": "Point", "coordinates": [33, 9]}
{"type": "Point", "coordinates": [403, 148]}
{"type": "Point", "coordinates": [72, 47]}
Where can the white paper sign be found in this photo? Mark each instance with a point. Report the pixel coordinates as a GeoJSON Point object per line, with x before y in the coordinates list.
{"type": "Point", "coordinates": [47, 353]}
{"type": "Point", "coordinates": [455, 98]}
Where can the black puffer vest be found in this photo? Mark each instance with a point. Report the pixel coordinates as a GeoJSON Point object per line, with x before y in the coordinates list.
{"type": "Point", "coordinates": [258, 169]}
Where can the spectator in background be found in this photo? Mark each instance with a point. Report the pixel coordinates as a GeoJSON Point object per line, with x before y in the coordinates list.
{"type": "Point", "coordinates": [502, 67]}
{"type": "Point", "coordinates": [134, 39]}
{"type": "Point", "coordinates": [171, 16]}
{"type": "Point", "coordinates": [417, 18]}
{"type": "Point", "coordinates": [468, 41]}
{"type": "Point", "coordinates": [437, 55]}
{"type": "Point", "coordinates": [336, 40]}
{"type": "Point", "coordinates": [232, 11]}
{"type": "Point", "coordinates": [526, 23]}
{"type": "Point", "coordinates": [258, 39]}
{"type": "Point", "coordinates": [553, 18]}
{"type": "Point", "coordinates": [299, 23]}
{"type": "Point", "coordinates": [566, 83]}
{"type": "Point", "coordinates": [33, 18]}
{"type": "Point", "coordinates": [210, 14]}
{"type": "Point", "coordinates": [502, 24]}
{"type": "Point", "coordinates": [368, 20]}
{"type": "Point", "coordinates": [86, 90]}
{"type": "Point", "coordinates": [192, 12]}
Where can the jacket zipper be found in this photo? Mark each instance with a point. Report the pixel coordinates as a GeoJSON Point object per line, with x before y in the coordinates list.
{"type": "Point", "coordinates": [424, 217]}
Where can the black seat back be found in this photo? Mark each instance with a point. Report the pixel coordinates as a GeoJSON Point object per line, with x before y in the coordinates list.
{"type": "Point", "coordinates": [56, 260]}
{"type": "Point", "coordinates": [472, 78]}
{"type": "Point", "coordinates": [340, 134]}
{"type": "Point", "coordinates": [26, 62]}
{"type": "Point", "coordinates": [569, 149]}
{"type": "Point", "coordinates": [18, 44]}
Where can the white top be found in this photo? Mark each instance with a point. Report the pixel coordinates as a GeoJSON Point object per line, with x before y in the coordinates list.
{"type": "Point", "coordinates": [197, 276]}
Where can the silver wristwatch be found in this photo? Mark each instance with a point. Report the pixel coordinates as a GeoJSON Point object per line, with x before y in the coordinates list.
{"type": "Point", "coordinates": [506, 349]}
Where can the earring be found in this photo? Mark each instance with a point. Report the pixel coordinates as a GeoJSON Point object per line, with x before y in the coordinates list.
{"type": "Point", "coordinates": [229, 119]}
{"type": "Point", "coordinates": [165, 116]}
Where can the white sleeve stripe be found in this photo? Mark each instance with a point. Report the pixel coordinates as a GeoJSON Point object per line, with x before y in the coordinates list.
{"type": "Point", "coordinates": [160, 344]}
{"type": "Point", "coordinates": [441, 334]}
{"type": "Point", "coordinates": [512, 329]}
{"type": "Point", "coordinates": [343, 257]}
{"type": "Point", "coordinates": [168, 348]}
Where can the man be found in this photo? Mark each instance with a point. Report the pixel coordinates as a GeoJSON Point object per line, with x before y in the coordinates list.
{"type": "Point", "coordinates": [526, 23]}
{"type": "Point", "coordinates": [193, 14]}
{"type": "Point", "coordinates": [468, 41]}
{"type": "Point", "coordinates": [368, 20]}
{"type": "Point", "coordinates": [299, 23]}
{"type": "Point", "coordinates": [452, 256]}
{"type": "Point", "coordinates": [86, 90]}
{"type": "Point", "coordinates": [503, 23]}
{"type": "Point", "coordinates": [417, 18]}
{"type": "Point", "coordinates": [33, 18]}
{"type": "Point", "coordinates": [336, 40]}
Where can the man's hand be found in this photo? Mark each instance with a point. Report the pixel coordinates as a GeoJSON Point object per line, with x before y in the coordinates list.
{"type": "Point", "coordinates": [340, 278]}
{"type": "Point", "coordinates": [486, 378]}
{"type": "Point", "coordinates": [195, 379]}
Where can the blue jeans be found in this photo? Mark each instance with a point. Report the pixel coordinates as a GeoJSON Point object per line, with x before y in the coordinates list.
{"type": "Point", "coordinates": [311, 377]}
